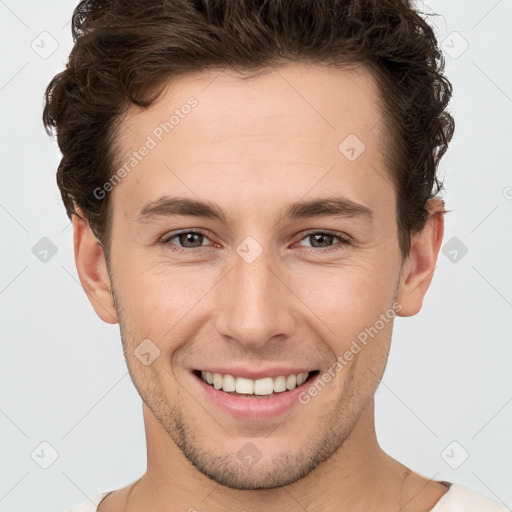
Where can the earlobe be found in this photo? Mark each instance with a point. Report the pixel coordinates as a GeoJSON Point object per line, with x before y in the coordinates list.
{"type": "Point", "coordinates": [92, 270]}
{"type": "Point", "coordinates": [418, 269]}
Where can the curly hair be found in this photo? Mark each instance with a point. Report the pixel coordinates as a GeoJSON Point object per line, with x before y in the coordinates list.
{"type": "Point", "coordinates": [125, 51]}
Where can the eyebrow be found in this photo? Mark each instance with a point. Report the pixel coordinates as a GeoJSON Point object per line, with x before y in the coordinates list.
{"type": "Point", "coordinates": [336, 206]}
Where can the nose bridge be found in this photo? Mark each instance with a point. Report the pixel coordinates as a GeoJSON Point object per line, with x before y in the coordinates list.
{"type": "Point", "coordinates": [253, 305]}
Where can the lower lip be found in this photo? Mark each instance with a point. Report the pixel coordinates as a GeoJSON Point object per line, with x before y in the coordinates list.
{"type": "Point", "coordinates": [254, 408]}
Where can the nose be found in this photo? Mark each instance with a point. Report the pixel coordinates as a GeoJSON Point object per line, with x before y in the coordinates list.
{"type": "Point", "coordinates": [255, 303]}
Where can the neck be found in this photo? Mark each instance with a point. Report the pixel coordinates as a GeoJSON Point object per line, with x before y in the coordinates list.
{"type": "Point", "coordinates": [358, 475]}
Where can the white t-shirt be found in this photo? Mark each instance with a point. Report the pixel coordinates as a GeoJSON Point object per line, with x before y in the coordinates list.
{"type": "Point", "coordinates": [459, 498]}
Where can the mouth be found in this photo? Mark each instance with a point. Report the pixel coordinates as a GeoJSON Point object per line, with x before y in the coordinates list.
{"type": "Point", "coordinates": [262, 388]}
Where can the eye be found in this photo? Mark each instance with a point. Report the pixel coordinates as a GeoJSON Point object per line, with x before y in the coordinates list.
{"type": "Point", "coordinates": [323, 239]}
{"type": "Point", "coordinates": [187, 240]}
{"type": "Point", "coordinates": [190, 241]}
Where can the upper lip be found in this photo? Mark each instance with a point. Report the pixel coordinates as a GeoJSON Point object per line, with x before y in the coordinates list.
{"type": "Point", "coordinates": [253, 374]}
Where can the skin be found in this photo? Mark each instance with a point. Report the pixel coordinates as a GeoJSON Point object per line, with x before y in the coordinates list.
{"type": "Point", "coordinates": [252, 146]}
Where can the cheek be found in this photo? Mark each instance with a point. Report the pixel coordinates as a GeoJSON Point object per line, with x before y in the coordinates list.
{"type": "Point", "coordinates": [159, 301]}
{"type": "Point", "coordinates": [351, 303]}
{"type": "Point", "coordinates": [350, 297]}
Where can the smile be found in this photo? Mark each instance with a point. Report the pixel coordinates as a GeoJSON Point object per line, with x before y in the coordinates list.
{"type": "Point", "coordinates": [252, 400]}
{"type": "Point", "coordinates": [264, 387]}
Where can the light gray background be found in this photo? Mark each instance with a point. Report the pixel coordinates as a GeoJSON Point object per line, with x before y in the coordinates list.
{"type": "Point", "coordinates": [448, 386]}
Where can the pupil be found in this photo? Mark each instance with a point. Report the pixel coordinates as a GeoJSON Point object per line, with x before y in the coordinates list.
{"type": "Point", "coordinates": [188, 237]}
{"type": "Point", "coordinates": [321, 236]}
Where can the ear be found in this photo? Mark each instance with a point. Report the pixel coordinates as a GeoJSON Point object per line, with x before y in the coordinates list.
{"type": "Point", "coordinates": [418, 268]}
{"type": "Point", "coordinates": [92, 270]}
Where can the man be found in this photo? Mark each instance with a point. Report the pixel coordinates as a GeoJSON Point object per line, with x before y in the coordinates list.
{"type": "Point", "coordinates": [252, 186]}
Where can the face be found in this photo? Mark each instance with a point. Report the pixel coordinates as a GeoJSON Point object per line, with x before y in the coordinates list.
{"type": "Point", "coordinates": [288, 255]}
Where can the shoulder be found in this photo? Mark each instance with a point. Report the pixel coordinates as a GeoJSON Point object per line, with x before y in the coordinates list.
{"type": "Point", "coordinates": [460, 498]}
{"type": "Point", "coordinates": [90, 505]}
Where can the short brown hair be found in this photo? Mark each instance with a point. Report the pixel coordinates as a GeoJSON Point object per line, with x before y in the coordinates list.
{"type": "Point", "coordinates": [125, 50]}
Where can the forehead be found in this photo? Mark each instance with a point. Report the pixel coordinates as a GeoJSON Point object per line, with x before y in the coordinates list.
{"type": "Point", "coordinates": [289, 129]}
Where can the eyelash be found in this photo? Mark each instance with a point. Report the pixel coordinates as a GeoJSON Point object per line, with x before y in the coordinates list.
{"type": "Point", "coordinates": [343, 240]}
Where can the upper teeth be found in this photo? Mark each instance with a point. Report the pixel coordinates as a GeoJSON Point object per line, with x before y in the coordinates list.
{"type": "Point", "coordinates": [265, 386]}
